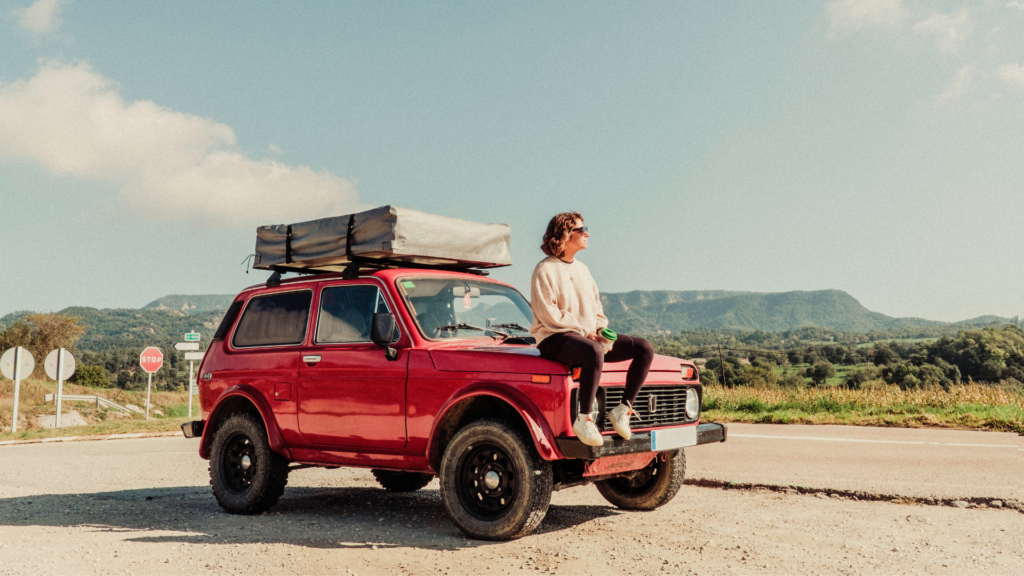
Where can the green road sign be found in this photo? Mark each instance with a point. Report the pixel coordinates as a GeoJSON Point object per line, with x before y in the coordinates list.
{"type": "Point", "coordinates": [192, 337]}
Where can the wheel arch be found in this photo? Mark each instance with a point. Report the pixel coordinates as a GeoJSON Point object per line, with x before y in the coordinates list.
{"type": "Point", "coordinates": [243, 398]}
{"type": "Point", "coordinates": [489, 401]}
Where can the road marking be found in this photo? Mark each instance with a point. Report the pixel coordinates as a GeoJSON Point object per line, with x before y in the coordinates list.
{"type": "Point", "coordinates": [827, 439]}
{"type": "Point", "coordinates": [163, 453]}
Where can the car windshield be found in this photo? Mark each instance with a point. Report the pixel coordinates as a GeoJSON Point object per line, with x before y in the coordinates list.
{"type": "Point", "coordinates": [463, 308]}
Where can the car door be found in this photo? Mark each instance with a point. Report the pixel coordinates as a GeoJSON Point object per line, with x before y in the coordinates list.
{"type": "Point", "coordinates": [349, 393]}
{"type": "Point", "coordinates": [266, 349]}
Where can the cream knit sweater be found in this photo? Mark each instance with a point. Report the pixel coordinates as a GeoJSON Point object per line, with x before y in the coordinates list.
{"type": "Point", "coordinates": [564, 298]}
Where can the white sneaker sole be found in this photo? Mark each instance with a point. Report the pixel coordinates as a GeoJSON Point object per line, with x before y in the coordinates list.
{"type": "Point", "coordinates": [588, 441]}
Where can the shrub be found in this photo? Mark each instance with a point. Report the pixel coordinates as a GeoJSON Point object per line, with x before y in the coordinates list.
{"type": "Point", "coordinates": [793, 380]}
{"type": "Point", "coordinates": [91, 377]}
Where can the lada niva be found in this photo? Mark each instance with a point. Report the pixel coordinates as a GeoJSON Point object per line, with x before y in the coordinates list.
{"type": "Point", "coordinates": [416, 373]}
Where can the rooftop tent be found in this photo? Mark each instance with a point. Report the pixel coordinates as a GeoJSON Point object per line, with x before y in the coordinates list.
{"type": "Point", "coordinates": [387, 234]}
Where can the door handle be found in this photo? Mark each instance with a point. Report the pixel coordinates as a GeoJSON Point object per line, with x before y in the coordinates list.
{"type": "Point", "coordinates": [311, 359]}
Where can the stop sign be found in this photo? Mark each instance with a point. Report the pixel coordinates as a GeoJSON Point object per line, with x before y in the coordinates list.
{"type": "Point", "coordinates": [151, 359]}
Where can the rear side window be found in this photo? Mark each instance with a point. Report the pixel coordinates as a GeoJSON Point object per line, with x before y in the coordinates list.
{"type": "Point", "coordinates": [228, 320]}
{"type": "Point", "coordinates": [274, 320]}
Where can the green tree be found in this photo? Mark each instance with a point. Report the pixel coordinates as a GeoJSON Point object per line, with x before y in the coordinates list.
{"type": "Point", "coordinates": [42, 333]}
{"type": "Point", "coordinates": [822, 371]}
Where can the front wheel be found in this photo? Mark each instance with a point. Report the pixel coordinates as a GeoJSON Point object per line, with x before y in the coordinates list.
{"type": "Point", "coordinates": [494, 485]}
{"type": "Point", "coordinates": [648, 488]}
{"type": "Point", "coordinates": [246, 475]}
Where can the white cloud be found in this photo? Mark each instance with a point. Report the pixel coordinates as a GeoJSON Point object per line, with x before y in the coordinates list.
{"type": "Point", "coordinates": [1017, 5]}
{"type": "Point", "coordinates": [964, 82]}
{"type": "Point", "coordinates": [1012, 74]}
{"type": "Point", "coordinates": [167, 164]}
{"type": "Point", "coordinates": [42, 17]}
{"type": "Point", "coordinates": [848, 15]}
{"type": "Point", "coordinates": [949, 31]}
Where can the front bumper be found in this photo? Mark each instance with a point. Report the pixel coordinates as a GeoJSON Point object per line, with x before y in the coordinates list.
{"type": "Point", "coordinates": [571, 447]}
{"type": "Point", "coordinates": [193, 429]}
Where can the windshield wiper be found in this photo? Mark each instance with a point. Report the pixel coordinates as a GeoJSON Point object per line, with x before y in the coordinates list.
{"type": "Point", "coordinates": [511, 325]}
{"type": "Point", "coordinates": [454, 327]}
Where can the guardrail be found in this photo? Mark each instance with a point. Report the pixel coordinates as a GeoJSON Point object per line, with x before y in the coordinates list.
{"type": "Point", "coordinates": [99, 400]}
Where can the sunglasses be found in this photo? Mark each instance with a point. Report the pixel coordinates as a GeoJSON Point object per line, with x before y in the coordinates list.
{"type": "Point", "coordinates": [581, 230]}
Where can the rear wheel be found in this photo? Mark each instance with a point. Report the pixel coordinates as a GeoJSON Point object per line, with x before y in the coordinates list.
{"type": "Point", "coordinates": [401, 481]}
{"type": "Point", "coordinates": [246, 475]}
{"type": "Point", "coordinates": [649, 487]}
{"type": "Point", "coordinates": [494, 485]}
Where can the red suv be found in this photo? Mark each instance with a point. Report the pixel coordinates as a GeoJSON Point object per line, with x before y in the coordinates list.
{"type": "Point", "coordinates": [416, 373]}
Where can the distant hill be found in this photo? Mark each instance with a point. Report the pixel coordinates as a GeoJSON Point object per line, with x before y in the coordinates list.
{"type": "Point", "coordinates": [164, 321]}
{"type": "Point", "coordinates": [112, 329]}
{"type": "Point", "coordinates": [661, 311]}
{"type": "Point", "coordinates": [192, 304]}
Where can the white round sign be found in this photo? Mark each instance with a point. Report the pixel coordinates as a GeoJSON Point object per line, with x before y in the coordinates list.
{"type": "Point", "coordinates": [7, 367]}
{"type": "Point", "coordinates": [51, 364]}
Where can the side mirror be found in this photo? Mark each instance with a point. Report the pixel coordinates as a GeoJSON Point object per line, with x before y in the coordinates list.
{"type": "Point", "coordinates": [382, 332]}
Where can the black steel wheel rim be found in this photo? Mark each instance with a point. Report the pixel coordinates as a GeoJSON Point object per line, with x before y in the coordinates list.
{"type": "Point", "coordinates": [477, 470]}
{"type": "Point", "coordinates": [238, 466]}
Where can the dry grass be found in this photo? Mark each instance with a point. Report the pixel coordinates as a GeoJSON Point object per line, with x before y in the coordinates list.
{"type": "Point", "coordinates": [31, 404]}
{"type": "Point", "coordinates": [969, 406]}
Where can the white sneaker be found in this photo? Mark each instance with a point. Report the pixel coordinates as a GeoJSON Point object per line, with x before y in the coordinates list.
{"type": "Point", "coordinates": [587, 431]}
{"type": "Point", "coordinates": [620, 420]}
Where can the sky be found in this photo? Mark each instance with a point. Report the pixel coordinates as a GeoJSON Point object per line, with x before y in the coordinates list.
{"type": "Point", "coordinates": [870, 146]}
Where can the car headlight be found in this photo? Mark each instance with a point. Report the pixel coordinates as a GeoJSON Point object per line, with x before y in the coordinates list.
{"type": "Point", "coordinates": [692, 404]}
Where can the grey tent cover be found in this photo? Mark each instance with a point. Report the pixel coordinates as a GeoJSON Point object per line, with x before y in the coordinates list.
{"type": "Point", "coordinates": [387, 233]}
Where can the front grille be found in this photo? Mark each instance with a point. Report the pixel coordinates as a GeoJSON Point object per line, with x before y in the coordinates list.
{"type": "Point", "coordinates": [669, 406]}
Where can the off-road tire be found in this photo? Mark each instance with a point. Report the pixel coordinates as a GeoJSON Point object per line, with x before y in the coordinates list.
{"type": "Point", "coordinates": [246, 475]}
{"type": "Point", "coordinates": [490, 451]}
{"type": "Point", "coordinates": [653, 486]}
{"type": "Point", "coordinates": [401, 481]}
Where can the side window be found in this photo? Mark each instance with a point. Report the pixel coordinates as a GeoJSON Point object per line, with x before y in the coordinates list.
{"type": "Point", "coordinates": [346, 313]}
{"type": "Point", "coordinates": [274, 320]}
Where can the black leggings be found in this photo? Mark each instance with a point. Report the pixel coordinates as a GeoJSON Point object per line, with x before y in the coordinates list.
{"type": "Point", "coordinates": [571, 348]}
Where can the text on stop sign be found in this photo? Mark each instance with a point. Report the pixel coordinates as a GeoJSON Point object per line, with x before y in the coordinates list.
{"type": "Point", "coordinates": [151, 359]}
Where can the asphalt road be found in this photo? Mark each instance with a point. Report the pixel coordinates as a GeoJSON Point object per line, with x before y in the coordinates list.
{"type": "Point", "coordinates": [143, 506]}
{"type": "Point", "coordinates": [919, 463]}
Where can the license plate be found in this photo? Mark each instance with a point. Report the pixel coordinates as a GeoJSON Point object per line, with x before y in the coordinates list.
{"type": "Point", "coordinates": [672, 438]}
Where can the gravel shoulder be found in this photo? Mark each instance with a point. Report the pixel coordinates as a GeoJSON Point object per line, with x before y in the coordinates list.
{"type": "Point", "coordinates": [143, 507]}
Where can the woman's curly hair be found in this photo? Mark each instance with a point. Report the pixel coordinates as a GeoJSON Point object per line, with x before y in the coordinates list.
{"type": "Point", "coordinates": [557, 235]}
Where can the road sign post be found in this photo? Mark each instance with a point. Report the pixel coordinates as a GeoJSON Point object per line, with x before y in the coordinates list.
{"type": "Point", "coordinates": [59, 365]}
{"type": "Point", "coordinates": [151, 360]}
{"type": "Point", "coordinates": [17, 363]}
{"type": "Point", "coordinates": [190, 347]}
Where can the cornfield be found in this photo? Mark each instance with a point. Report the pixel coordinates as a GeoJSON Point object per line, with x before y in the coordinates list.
{"type": "Point", "coordinates": [971, 406]}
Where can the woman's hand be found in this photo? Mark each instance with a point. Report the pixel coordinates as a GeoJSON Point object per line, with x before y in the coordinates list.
{"type": "Point", "coordinates": [594, 337]}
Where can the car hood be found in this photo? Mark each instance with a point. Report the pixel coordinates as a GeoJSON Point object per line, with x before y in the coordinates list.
{"type": "Point", "coordinates": [516, 359]}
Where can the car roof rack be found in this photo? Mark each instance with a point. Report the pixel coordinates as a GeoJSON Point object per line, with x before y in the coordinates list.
{"type": "Point", "coordinates": [361, 264]}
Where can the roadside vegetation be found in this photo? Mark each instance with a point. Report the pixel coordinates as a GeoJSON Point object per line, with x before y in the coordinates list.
{"type": "Point", "coordinates": [169, 410]}
{"type": "Point", "coordinates": [909, 377]}
{"type": "Point", "coordinates": [969, 380]}
{"type": "Point", "coordinates": [963, 406]}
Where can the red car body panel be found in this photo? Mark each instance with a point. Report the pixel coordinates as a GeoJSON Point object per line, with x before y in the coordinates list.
{"type": "Point", "coordinates": [353, 407]}
{"type": "Point", "coordinates": [254, 396]}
